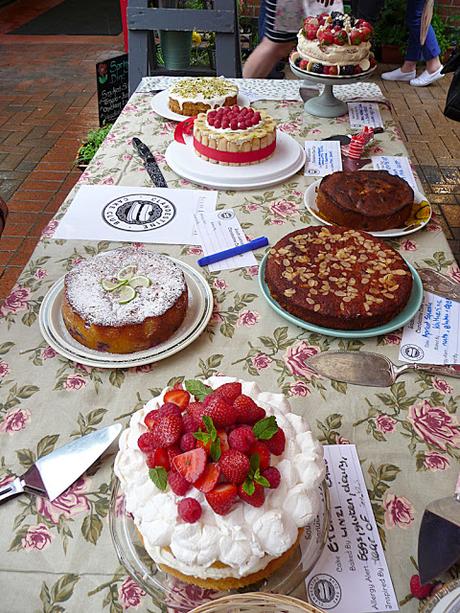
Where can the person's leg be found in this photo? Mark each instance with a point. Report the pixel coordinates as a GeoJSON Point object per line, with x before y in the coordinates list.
{"type": "Point", "coordinates": [265, 57]}
{"type": "Point", "coordinates": [431, 52]}
{"type": "Point", "coordinates": [414, 48]}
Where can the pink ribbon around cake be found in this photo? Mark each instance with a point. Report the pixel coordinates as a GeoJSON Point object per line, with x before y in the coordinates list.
{"type": "Point", "coordinates": [236, 157]}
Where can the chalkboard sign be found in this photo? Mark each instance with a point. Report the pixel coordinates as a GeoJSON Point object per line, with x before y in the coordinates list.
{"type": "Point", "coordinates": [112, 87]}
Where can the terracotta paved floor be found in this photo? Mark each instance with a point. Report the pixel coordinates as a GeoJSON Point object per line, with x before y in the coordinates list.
{"type": "Point", "coordinates": [48, 103]}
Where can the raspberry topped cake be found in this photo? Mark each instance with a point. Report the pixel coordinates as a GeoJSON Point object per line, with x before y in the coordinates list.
{"type": "Point", "coordinates": [334, 44]}
{"type": "Point", "coordinates": [124, 300]}
{"type": "Point", "coordinates": [338, 278]}
{"type": "Point", "coordinates": [220, 481]}
{"type": "Point", "coordinates": [234, 136]}
{"type": "Point", "coordinates": [196, 95]}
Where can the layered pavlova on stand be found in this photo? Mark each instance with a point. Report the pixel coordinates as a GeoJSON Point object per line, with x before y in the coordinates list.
{"type": "Point", "coordinates": [334, 44]}
{"type": "Point", "coordinates": [196, 95]}
{"type": "Point", "coordinates": [220, 480]}
{"type": "Point", "coordinates": [124, 300]}
{"type": "Point", "coordinates": [234, 136]}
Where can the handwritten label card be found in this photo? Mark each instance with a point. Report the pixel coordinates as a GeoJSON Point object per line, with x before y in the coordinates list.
{"type": "Point", "coordinates": [351, 575]}
{"type": "Point", "coordinates": [323, 157]}
{"type": "Point", "coordinates": [432, 336]}
{"type": "Point", "coordinates": [364, 114]}
{"type": "Point", "coordinates": [221, 230]}
{"type": "Point", "coordinates": [395, 165]}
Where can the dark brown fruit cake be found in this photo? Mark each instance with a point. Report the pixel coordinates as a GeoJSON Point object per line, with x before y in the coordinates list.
{"type": "Point", "coordinates": [338, 278]}
{"type": "Point", "coordinates": [366, 200]}
{"type": "Point", "coordinates": [124, 300]}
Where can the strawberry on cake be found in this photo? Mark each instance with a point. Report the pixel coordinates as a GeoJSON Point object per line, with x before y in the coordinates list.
{"type": "Point", "coordinates": [234, 136]}
{"type": "Point", "coordinates": [220, 480]}
{"type": "Point", "coordinates": [334, 44]}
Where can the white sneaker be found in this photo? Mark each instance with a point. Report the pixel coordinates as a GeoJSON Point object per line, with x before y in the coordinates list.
{"type": "Point", "coordinates": [426, 78]}
{"type": "Point", "coordinates": [398, 75]}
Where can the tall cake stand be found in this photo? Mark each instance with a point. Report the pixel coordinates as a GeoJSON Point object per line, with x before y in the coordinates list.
{"type": "Point", "coordinates": [326, 104]}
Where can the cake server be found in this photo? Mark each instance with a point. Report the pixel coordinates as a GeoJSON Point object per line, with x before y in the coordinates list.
{"type": "Point", "coordinates": [439, 284]}
{"type": "Point", "coordinates": [55, 472]}
{"type": "Point", "coordinates": [439, 536]}
{"type": "Point", "coordinates": [150, 163]}
{"type": "Point", "coordinates": [367, 368]}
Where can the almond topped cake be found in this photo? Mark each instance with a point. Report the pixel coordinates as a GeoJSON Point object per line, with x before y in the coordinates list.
{"type": "Point", "coordinates": [195, 95]}
{"type": "Point", "coordinates": [124, 300]}
{"type": "Point", "coordinates": [338, 278]}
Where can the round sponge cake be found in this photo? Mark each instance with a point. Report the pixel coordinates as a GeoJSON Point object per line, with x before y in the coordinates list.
{"type": "Point", "coordinates": [124, 301]}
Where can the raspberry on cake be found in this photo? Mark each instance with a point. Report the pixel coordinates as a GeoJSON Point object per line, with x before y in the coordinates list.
{"type": "Point", "coordinates": [124, 300]}
{"type": "Point", "coordinates": [196, 95]}
{"type": "Point", "coordinates": [338, 278]}
{"type": "Point", "coordinates": [334, 44]}
{"type": "Point", "coordinates": [222, 517]}
{"type": "Point", "coordinates": [234, 136]}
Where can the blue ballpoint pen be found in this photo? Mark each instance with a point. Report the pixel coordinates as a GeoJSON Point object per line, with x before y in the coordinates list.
{"type": "Point", "coordinates": [262, 241]}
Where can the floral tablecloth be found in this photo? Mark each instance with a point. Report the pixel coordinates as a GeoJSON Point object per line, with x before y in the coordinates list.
{"type": "Point", "coordinates": [59, 556]}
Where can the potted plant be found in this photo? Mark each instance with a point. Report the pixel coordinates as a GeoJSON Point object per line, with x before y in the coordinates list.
{"type": "Point", "coordinates": [391, 32]}
{"type": "Point", "coordinates": [90, 145]}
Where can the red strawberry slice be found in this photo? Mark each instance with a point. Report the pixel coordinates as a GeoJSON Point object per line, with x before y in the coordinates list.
{"type": "Point", "coordinates": [158, 457]}
{"type": "Point", "coordinates": [247, 412]}
{"type": "Point", "coordinates": [263, 452]}
{"type": "Point", "coordinates": [179, 397]}
{"type": "Point", "coordinates": [234, 465]}
{"type": "Point", "coordinates": [220, 411]}
{"type": "Point", "coordinates": [151, 419]}
{"type": "Point", "coordinates": [167, 431]}
{"type": "Point", "coordinates": [208, 479]}
{"type": "Point", "coordinates": [256, 499]}
{"type": "Point", "coordinates": [222, 497]}
{"type": "Point", "coordinates": [190, 464]}
{"type": "Point", "coordinates": [229, 391]}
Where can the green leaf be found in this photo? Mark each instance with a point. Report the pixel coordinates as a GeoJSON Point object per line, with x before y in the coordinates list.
{"type": "Point", "coordinates": [96, 416]}
{"type": "Point", "coordinates": [249, 487]}
{"type": "Point", "coordinates": [5, 347]}
{"type": "Point", "coordinates": [254, 462]}
{"type": "Point", "coordinates": [46, 445]}
{"type": "Point", "coordinates": [197, 388]}
{"type": "Point", "coordinates": [202, 436]}
{"type": "Point", "coordinates": [117, 377]}
{"type": "Point", "coordinates": [160, 477]}
{"type": "Point", "coordinates": [334, 421]}
{"type": "Point", "coordinates": [45, 595]}
{"type": "Point", "coordinates": [388, 472]}
{"type": "Point", "coordinates": [91, 528]}
{"type": "Point", "coordinates": [262, 481]}
{"type": "Point", "coordinates": [210, 426]}
{"type": "Point", "coordinates": [26, 457]}
{"type": "Point", "coordinates": [215, 450]}
{"type": "Point", "coordinates": [63, 589]}
{"type": "Point", "coordinates": [339, 386]}
{"type": "Point", "coordinates": [26, 391]}
{"type": "Point", "coordinates": [265, 428]}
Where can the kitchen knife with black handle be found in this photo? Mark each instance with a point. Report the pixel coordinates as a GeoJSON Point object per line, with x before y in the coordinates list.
{"type": "Point", "coordinates": [150, 163]}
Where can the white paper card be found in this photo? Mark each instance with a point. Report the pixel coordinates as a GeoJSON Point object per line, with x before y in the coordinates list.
{"type": "Point", "coordinates": [351, 575]}
{"type": "Point", "coordinates": [395, 165]}
{"type": "Point", "coordinates": [221, 230]}
{"type": "Point", "coordinates": [323, 157]}
{"type": "Point", "coordinates": [140, 214]}
{"type": "Point", "coordinates": [432, 336]}
{"type": "Point", "coordinates": [364, 114]}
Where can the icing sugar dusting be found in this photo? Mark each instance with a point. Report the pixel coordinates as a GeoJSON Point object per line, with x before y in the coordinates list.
{"type": "Point", "coordinates": [98, 306]}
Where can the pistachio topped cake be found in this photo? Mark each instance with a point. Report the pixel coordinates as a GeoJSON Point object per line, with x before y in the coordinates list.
{"type": "Point", "coordinates": [196, 95]}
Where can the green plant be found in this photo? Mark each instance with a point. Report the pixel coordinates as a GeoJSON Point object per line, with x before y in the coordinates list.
{"type": "Point", "coordinates": [444, 38]}
{"type": "Point", "coordinates": [391, 28]}
{"type": "Point", "coordinates": [91, 144]}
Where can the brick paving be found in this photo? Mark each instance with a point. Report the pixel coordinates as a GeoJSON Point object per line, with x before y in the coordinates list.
{"type": "Point", "coordinates": [48, 103]}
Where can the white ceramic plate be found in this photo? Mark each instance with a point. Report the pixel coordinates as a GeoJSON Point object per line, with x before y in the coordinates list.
{"type": "Point", "coordinates": [160, 105]}
{"type": "Point", "coordinates": [288, 158]}
{"type": "Point", "coordinates": [52, 327]}
{"type": "Point", "coordinates": [419, 200]}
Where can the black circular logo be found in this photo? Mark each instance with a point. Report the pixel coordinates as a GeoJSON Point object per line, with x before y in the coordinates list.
{"type": "Point", "coordinates": [412, 352]}
{"type": "Point", "coordinates": [324, 591]}
{"type": "Point", "coordinates": [139, 212]}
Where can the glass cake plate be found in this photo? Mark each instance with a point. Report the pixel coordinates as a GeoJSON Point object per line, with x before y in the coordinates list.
{"type": "Point", "coordinates": [180, 597]}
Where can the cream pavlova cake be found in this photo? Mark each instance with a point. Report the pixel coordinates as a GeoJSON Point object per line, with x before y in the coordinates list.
{"type": "Point", "coordinates": [234, 136]}
{"type": "Point", "coordinates": [220, 480]}
{"type": "Point", "coordinates": [334, 44]}
{"type": "Point", "coordinates": [191, 96]}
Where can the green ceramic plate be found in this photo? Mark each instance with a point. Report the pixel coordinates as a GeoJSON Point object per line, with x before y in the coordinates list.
{"type": "Point", "coordinates": [406, 314]}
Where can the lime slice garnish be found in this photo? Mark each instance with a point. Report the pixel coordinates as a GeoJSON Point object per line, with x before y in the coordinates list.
{"type": "Point", "coordinates": [110, 286]}
{"type": "Point", "coordinates": [127, 273]}
{"type": "Point", "coordinates": [126, 294]}
{"type": "Point", "coordinates": [140, 281]}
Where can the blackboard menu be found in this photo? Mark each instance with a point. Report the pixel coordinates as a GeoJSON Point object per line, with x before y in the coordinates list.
{"type": "Point", "coordinates": [112, 87]}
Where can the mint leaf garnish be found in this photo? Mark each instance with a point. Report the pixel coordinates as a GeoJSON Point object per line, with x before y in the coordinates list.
{"type": "Point", "coordinates": [201, 436]}
{"type": "Point", "coordinates": [210, 426]}
{"type": "Point", "coordinates": [254, 462]}
{"type": "Point", "coordinates": [265, 428]}
{"type": "Point", "coordinates": [197, 388]}
{"type": "Point", "coordinates": [261, 480]}
{"type": "Point", "coordinates": [215, 450]}
{"type": "Point", "coordinates": [160, 477]}
{"type": "Point", "coordinates": [249, 487]}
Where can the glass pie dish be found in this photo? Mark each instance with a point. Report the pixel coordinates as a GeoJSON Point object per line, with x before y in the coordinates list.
{"type": "Point", "coordinates": [181, 597]}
